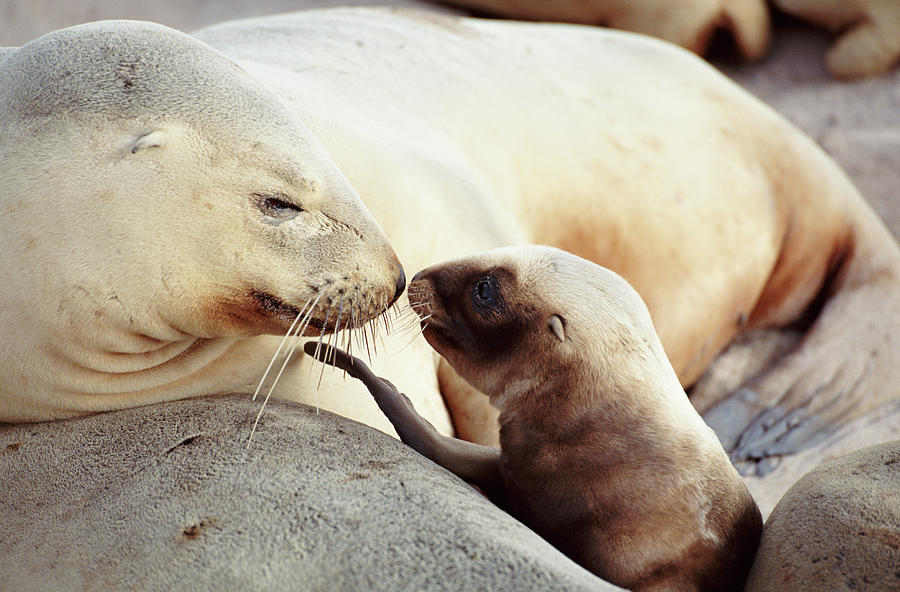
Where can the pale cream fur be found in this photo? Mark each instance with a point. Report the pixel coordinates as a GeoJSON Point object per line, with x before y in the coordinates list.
{"type": "Point", "coordinates": [130, 228]}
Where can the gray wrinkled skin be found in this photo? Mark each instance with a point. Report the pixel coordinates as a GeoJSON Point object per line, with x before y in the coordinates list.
{"type": "Point", "coordinates": [837, 528]}
{"type": "Point", "coordinates": [167, 497]}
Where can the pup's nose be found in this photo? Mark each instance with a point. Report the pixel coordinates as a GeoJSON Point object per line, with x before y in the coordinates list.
{"type": "Point", "coordinates": [401, 283]}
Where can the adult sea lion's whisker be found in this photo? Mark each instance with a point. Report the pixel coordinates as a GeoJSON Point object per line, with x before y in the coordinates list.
{"type": "Point", "coordinates": [318, 348]}
{"type": "Point", "coordinates": [381, 335]}
{"type": "Point", "coordinates": [373, 327]}
{"type": "Point", "coordinates": [370, 337]}
{"type": "Point", "coordinates": [278, 351]}
{"type": "Point", "coordinates": [350, 334]}
{"type": "Point", "coordinates": [346, 341]}
{"type": "Point", "coordinates": [342, 340]}
{"type": "Point", "coordinates": [300, 329]}
{"type": "Point", "coordinates": [333, 336]}
{"type": "Point", "coordinates": [322, 332]}
{"type": "Point", "coordinates": [365, 337]}
{"type": "Point", "coordinates": [386, 321]}
{"type": "Point", "coordinates": [307, 319]}
{"type": "Point", "coordinates": [337, 326]}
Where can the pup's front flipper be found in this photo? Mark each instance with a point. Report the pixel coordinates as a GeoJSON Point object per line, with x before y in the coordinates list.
{"type": "Point", "coordinates": [474, 463]}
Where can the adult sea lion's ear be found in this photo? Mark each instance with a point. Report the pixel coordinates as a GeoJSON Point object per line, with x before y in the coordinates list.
{"type": "Point", "coordinates": [152, 139]}
{"type": "Point", "coordinates": [557, 327]}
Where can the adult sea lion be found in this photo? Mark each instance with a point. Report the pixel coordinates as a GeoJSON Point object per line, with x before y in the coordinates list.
{"type": "Point", "coordinates": [870, 29]}
{"type": "Point", "coordinates": [622, 149]}
{"type": "Point", "coordinates": [600, 450]}
{"type": "Point", "coordinates": [690, 24]}
{"type": "Point", "coordinates": [159, 209]}
{"type": "Point", "coordinates": [463, 135]}
{"type": "Point", "coordinates": [869, 42]}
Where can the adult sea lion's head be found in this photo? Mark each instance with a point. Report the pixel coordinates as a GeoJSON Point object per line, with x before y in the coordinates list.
{"type": "Point", "coordinates": [148, 185]}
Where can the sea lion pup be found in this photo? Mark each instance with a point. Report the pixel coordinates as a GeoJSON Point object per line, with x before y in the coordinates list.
{"type": "Point", "coordinates": [160, 213]}
{"type": "Point", "coordinates": [600, 450]}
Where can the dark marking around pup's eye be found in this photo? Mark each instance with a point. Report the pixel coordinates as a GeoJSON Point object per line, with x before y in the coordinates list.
{"type": "Point", "coordinates": [486, 295]}
{"type": "Point", "coordinates": [276, 206]}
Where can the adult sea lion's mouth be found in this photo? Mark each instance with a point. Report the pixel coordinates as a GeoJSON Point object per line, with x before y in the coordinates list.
{"type": "Point", "coordinates": [318, 318]}
{"type": "Point", "coordinates": [272, 306]}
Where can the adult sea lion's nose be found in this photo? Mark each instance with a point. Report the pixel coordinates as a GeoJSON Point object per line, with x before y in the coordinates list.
{"type": "Point", "coordinates": [401, 284]}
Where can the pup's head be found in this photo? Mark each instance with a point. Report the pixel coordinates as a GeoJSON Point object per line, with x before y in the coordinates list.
{"type": "Point", "coordinates": [512, 319]}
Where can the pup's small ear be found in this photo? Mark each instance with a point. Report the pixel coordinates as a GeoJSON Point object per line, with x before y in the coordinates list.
{"type": "Point", "coordinates": [152, 139]}
{"type": "Point", "coordinates": [557, 327]}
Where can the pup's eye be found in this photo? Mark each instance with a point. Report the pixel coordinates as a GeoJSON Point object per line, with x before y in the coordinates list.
{"type": "Point", "coordinates": [484, 292]}
{"type": "Point", "coordinates": [276, 206]}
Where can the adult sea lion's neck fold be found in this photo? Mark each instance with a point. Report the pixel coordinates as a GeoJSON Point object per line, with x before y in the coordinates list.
{"type": "Point", "coordinates": [106, 380]}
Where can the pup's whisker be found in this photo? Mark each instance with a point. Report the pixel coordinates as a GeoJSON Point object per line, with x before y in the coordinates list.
{"type": "Point", "coordinates": [408, 324]}
{"type": "Point", "coordinates": [415, 336]}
